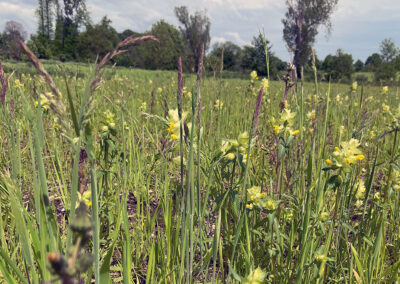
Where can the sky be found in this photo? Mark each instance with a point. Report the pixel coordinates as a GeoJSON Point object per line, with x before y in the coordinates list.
{"type": "Point", "coordinates": [358, 25]}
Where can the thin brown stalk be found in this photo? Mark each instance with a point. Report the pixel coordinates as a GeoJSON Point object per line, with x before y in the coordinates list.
{"type": "Point", "coordinates": [117, 51]}
{"type": "Point", "coordinates": [4, 85]}
{"type": "Point", "coordinates": [257, 110]}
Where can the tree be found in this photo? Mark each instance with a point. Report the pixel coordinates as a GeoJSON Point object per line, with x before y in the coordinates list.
{"type": "Point", "coordinates": [385, 72]}
{"type": "Point", "coordinates": [15, 30]}
{"type": "Point", "coordinates": [71, 16]}
{"type": "Point", "coordinates": [301, 23]}
{"type": "Point", "coordinates": [45, 14]}
{"type": "Point", "coordinates": [232, 55]}
{"type": "Point", "coordinates": [13, 33]}
{"type": "Point", "coordinates": [358, 66]}
{"type": "Point", "coordinates": [254, 58]}
{"type": "Point", "coordinates": [339, 66]}
{"type": "Point", "coordinates": [388, 50]}
{"type": "Point", "coordinates": [97, 40]}
{"type": "Point", "coordinates": [373, 62]}
{"type": "Point", "coordinates": [133, 56]}
{"type": "Point", "coordinates": [195, 31]}
{"type": "Point", "coordinates": [163, 54]}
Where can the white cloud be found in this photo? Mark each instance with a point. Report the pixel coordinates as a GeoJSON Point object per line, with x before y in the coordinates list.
{"type": "Point", "coordinates": [217, 39]}
{"type": "Point", "coordinates": [236, 38]}
{"type": "Point", "coordinates": [24, 14]}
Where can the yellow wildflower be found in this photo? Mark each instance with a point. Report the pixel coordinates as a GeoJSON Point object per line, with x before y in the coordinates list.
{"type": "Point", "coordinates": [265, 84]}
{"type": "Point", "coordinates": [360, 189]}
{"type": "Point", "coordinates": [354, 87]}
{"type": "Point", "coordinates": [18, 84]}
{"type": "Point", "coordinates": [256, 276]}
{"type": "Point", "coordinates": [276, 129]}
{"type": "Point", "coordinates": [253, 76]}
{"type": "Point", "coordinates": [143, 106]}
{"type": "Point", "coordinates": [296, 132]}
{"type": "Point", "coordinates": [218, 105]}
{"type": "Point", "coordinates": [311, 114]}
{"type": "Point", "coordinates": [385, 108]}
{"type": "Point", "coordinates": [270, 204]}
{"type": "Point", "coordinates": [348, 154]}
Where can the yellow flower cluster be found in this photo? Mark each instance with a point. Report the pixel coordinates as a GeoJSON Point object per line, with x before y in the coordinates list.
{"type": "Point", "coordinates": [86, 197]}
{"type": "Point", "coordinates": [253, 76]}
{"type": "Point", "coordinates": [360, 189]}
{"type": "Point", "coordinates": [285, 123]}
{"type": "Point", "coordinates": [354, 87]}
{"type": "Point", "coordinates": [385, 89]}
{"type": "Point", "coordinates": [231, 147]}
{"type": "Point", "coordinates": [109, 121]}
{"type": "Point", "coordinates": [257, 198]}
{"type": "Point", "coordinates": [218, 105]}
{"type": "Point", "coordinates": [256, 276]}
{"type": "Point", "coordinates": [348, 154]}
{"type": "Point", "coordinates": [265, 84]}
{"type": "Point", "coordinates": [44, 102]}
{"type": "Point", "coordinates": [143, 106]}
{"type": "Point", "coordinates": [385, 108]}
{"type": "Point", "coordinates": [18, 84]}
{"type": "Point", "coordinates": [174, 123]}
{"type": "Point", "coordinates": [395, 180]}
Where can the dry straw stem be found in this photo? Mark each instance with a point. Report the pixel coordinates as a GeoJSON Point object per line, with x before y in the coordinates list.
{"type": "Point", "coordinates": [56, 104]}
{"type": "Point", "coordinates": [117, 51]}
{"type": "Point", "coordinates": [257, 110]}
{"type": "Point", "coordinates": [38, 65]}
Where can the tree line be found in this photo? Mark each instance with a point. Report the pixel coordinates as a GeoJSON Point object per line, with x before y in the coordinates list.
{"type": "Point", "coordinates": [65, 32]}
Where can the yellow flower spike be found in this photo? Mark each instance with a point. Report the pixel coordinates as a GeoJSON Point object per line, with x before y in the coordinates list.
{"type": "Point", "coordinates": [329, 162]}
{"type": "Point", "coordinates": [360, 189]}
{"type": "Point", "coordinates": [170, 130]}
{"type": "Point", "coordinates": [174, 137]}
{"type": "Point", "coordinates": [253, 76]}
{"type": "Point", "coordinates": [265, 84]}
{"type": "Point", "coordinates": [257, 276]}
{"type": "Point", "coordinates": [354, 87]}
{"type": "Point", "coordinates": [270, 204]}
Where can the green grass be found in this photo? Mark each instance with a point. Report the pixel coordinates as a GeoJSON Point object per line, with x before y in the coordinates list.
{"type": "Point", "coordinates": [166, 210]}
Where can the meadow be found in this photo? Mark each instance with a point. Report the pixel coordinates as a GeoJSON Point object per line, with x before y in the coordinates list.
{"type": "Point", "coordinates": [133, 176]}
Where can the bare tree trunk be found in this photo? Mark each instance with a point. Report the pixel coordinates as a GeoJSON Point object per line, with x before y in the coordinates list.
{"type": "Point", "coordinates": [299, 42]}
